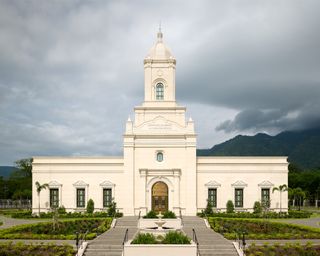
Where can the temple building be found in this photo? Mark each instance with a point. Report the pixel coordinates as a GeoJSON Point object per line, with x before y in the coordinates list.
{"type": "Point", "coordinates": [159, 168]}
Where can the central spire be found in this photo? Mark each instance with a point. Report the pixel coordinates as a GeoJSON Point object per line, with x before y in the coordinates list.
{"type": "Point", "coordinates": [160, 35]}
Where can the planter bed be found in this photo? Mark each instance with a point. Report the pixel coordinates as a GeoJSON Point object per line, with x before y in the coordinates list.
{"type": "Point", "coordinates": [260, 229]}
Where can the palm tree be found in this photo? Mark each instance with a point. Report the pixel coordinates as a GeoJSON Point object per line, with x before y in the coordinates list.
{"type": "Point", "coordinates": [281, 188]}
{"type": "Point", "coordinates": [39, 188]}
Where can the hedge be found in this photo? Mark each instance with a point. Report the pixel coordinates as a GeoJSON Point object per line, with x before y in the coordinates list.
{"type": "Point", "coordinates": [21, 249]}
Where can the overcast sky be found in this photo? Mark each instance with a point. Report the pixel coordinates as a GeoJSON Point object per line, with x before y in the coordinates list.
{"type": "Point", "coordinates": [72, 71]}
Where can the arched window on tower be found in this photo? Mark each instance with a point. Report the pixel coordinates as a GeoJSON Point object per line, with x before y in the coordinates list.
{"type": "Point", "coordinates": [159, 91]}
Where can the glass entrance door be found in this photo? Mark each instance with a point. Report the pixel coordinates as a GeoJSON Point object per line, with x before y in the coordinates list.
{"type": "Point", "coordinates": [160, 197]}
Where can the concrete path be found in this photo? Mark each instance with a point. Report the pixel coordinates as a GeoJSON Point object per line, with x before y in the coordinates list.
{"type": "Point", "coordinates": [110, 242]}
{"type": "Point", "coordinates": [311, 222]}
{"type": "Point", "coordinates": [282, 242]}
{"type": "Point", "coordinates": [10, 222]}
{"type": "Point", "coordinates": [210, 242]}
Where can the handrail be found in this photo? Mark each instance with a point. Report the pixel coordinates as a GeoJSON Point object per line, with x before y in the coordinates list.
{"type": "Point", "coordinates": [139, 215]}
{"type": "Point", "coordinates": [125, 239]}
{"type": "Point", "coordinates": [195, 239]}
{"type": "Point", "coordinates": [181, 217]}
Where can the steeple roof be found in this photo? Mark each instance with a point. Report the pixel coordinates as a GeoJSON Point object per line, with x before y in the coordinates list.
{"type": "Point", "coordinates": [159, 51]}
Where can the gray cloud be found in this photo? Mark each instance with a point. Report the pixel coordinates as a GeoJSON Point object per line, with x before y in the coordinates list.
{"type": "Point", "coordinates": [71, 72]}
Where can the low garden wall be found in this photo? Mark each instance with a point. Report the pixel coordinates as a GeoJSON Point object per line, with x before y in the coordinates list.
{"type": "Point", "coordinates": [159, 249]}
{"type": "Point", "coordinates": [169, 223]}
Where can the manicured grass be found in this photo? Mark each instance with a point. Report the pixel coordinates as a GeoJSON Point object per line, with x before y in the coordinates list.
{"type": "Point", "coordinates": [61, 230]}
{"type": "Point", "coordinates": [1, 223]}
{"type": "Point", "coordinates": [294, 249]}
{"type": "Point", "coordinates": [21, 249]}
{"type": "Point", "coordinates": [260, 229]}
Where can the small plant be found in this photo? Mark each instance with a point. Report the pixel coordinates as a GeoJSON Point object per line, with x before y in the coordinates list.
{"type": "Point", "coordinates": [90, 206]}
{"type": "Point", "coordinates": [230, 207]}
{"type": "Point", "coordinates": [146, 238]}
{"type": "Point", "coordinates": [151, 215]}
{"type": "Point", "coordinates": [169, 215]}
{"type": "Point", "coordinates": [257, 208]}
{"type": "Point", "coordinates": [175, 238]}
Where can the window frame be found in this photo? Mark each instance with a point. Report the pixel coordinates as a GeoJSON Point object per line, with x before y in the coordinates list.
{"type": "Point", "coordinates": [78, 198]}
{"type": "Point", "coordinates": [238, 202]}
{"type": "Point", "coordinates": [159, 91]}
{"type": "Point", "coordinates": [212, 196]}
{"type": "Point", "coordinates": [105, 202]}
{"type": "Point", "coordinates": [263, 196]}
{"type": "Point", "coordinates": [54, 197]}
{"type": "Point", "coordinates": [159, 153]}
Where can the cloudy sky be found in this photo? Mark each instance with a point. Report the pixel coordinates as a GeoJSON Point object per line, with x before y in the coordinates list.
{"type": "Point", "coordinates": [72, 71]}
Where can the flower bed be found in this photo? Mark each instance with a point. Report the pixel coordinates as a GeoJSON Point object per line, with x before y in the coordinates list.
{"type": "Point", "coordinates": [21, 249]}
{"type": "Point", "coordinates": [61, 230]}
{"type": "Point", "coordinates": [172, 237]}
{"type": "Point", "coordinates": [259, 229]}
{"type": "Point", "coordinates": [294, 249]}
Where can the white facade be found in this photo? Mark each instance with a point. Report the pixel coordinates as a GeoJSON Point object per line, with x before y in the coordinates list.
{"type": "Point", "coordinates": [159, 146]}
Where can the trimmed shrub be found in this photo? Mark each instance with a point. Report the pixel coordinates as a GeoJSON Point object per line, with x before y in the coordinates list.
{"type": "Point", "coordinates": [62, 210]}
{"type": "Point", "coordinates": [230, 207]}
{"type": "Point", "coordinates": [169, 215]}
{"type": "Point", "coordinates": [208, 210]}
{"type": "Point", "coordinates": [175, 238]}
{"type": "Point", "coordinates": [112, 210]}
{"type": "Point", "coordinates": [90, 206]}
{"type": "Point", "coordinates": [151, 215]}
{"type": "Point", "coordinates": [257, 208]}
{"type": "Point", "coordinates": [144, 238]}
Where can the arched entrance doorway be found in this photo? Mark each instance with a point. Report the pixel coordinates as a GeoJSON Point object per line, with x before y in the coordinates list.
{"type": "Point", "coordinates": [160, 197]}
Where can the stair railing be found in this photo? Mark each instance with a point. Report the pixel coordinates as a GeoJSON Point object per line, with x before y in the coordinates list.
{"type": "Point", "coordinates": [181, 217]}
{"type": "Point", "coordinates": [195, 239]}
{"type": "Point", "coordinates": [125, 239]}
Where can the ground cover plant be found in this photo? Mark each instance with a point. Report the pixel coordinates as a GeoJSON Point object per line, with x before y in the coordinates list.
{"type": "Point", "coordinates": [261, 229]}
{"type": "Point", "coordinates": [1, 223]}
{"type": "Point", "coordinates": [21, 249]}
{"type": "Point", "coordinates": [172, 237]}
{"type": "Point", "coordinates": [60, 230]}
{"type": "Point", "coordinates": [292, 249]}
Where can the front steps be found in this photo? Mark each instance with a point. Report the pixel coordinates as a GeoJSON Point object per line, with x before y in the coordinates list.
{"type": "Point", "coordinates": [110, 242]}
{"type": "Point", "coordinates": [210, 242]}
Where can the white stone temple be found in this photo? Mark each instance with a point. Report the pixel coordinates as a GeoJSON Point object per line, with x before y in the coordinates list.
{"type": "Point", "coordinates": [159, 168]}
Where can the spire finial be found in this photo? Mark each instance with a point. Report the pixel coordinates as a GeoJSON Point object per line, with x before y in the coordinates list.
{"type": "Point", "coordinates": [159, 35]}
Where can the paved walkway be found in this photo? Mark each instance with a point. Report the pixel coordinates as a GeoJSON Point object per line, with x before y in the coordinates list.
{"type": "Point", "coordinates": [110, 242]}
{"type": "Point", "coordinates": [311, 222]}
{"type": "Point", "coordinates": [26, 241]}
{"type": "Point", "coordinates": [282, 242]}
{"type": "Point", "coordinates": [10, 222]}
{"type": "Point", "coordinates": [210, 242]}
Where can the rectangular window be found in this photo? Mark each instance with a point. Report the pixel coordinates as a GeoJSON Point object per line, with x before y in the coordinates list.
{"type": "Point", "coordinates": [107, 197]}
{"type": "Point", "coordinates": [265, 196]}
{"type": "Point", "coordinates": [81, 197]}
{"type": "Point", "coordinates": [212, 196]}
{"type": "Point", "coordinates": [54, 197]}
{"type": "Point", "coordinates": [238, 197]}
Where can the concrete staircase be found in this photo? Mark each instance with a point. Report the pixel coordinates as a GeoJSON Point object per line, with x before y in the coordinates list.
{"type": "Point", "coordinates": [210, 242]}
{"type": "Point", "coordinates": [110, 242]}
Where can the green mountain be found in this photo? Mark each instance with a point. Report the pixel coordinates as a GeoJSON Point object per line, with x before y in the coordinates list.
{"type": "Point", "coordinates": [302, 147]}
{"type": "Point", "coordinates": [5, 171]}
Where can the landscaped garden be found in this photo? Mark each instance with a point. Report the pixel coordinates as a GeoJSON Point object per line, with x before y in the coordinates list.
{"type": "Point", "coordinates": [261, 229]}
{"type": "Point", "coordinates": [292, 249]}
{"type": "Point", "coordinates": [58, 230]}
{"type": "Point", "coordinates": [21, 249]}
{"type": "Point", "coordinates": [165, 215]}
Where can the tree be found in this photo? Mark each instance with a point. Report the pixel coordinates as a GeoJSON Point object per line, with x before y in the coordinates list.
{"type": "Point", "coordinates": [257, 208]}
{"type": "Point", "coordinates": [281, 188]}
{"type": "Point", "coordinates": [25, 167]}
{"type": "Point", "coordinates": [208, 210]}
{"type": "Point", "coordinates": [300, 195]}
{"type": "Point", "coordinates": [39, 189]}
